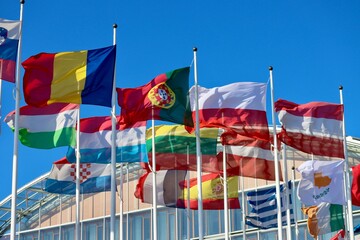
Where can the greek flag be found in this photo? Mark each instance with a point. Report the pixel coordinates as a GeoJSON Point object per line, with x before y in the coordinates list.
{"type": "Point", "coordinates": [263, 207]}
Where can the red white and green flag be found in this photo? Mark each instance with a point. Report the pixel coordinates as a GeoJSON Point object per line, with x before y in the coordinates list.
{"type": "Point", "coordinates": [46, 127]}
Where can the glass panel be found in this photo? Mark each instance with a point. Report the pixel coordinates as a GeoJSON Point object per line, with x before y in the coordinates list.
{"type": "Point", "coordinates": [68, 233]}
{"type": "Point", "coordinates": [136, 226]}
{"type": "Point", "coordinates": [172, 227]}
{"type": "Point", "coordinates": [147, 227]}
{"type": "Point", "coordinates": [212, 221]}
{"type": "Point", "coordinates": [162, 226]}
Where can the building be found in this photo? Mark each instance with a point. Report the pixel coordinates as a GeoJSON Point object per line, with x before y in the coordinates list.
{"type": "Point", "coordinates": [46, 216]}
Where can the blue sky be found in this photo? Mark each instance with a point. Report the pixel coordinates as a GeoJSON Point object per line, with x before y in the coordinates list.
{"type": "Point", "coordinates": [312, 45]}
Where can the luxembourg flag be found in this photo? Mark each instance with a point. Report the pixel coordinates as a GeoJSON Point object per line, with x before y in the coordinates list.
{"type": "Point", "coordinates": [93, 178]}
{"type": "Point", "coordinates": [239, 106]}
{"type": "Point", "coordinates": [95, 141]}
{"type": "Point", "coordinates": [314, 127]}
{"type": "Point", "coordinates": [9, 40]}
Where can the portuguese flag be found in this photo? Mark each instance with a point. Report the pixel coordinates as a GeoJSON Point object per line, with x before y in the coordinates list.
{"type": "Point", "coordinates": [166, 98]}
{"type": "Point", "coordinates": [173, 143]}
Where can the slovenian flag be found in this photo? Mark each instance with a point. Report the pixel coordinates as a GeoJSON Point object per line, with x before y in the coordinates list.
{"type": "Point", "coordinates": [95, 141]}
{"type": "Point", "coordinates": [93, 178]}
{"type": "Point", "coordinates": [83, 77]}
{"type": "Point", "coordinates": [9, 40]}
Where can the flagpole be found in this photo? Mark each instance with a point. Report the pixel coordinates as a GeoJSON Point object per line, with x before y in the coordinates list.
{"type": "Point", "coordinates": [154, 176]}
{"type": "Point", "coordinates": [226, 207]}
{"type": "Point", "coordinates": [286, 185]}
{"type": "Point", "coordinates": [77, 181]}
{"type": "Point", "coordinates": [198, 151]}
{"type": "Point", "coordinates": [294, 204]}
{"type": "Point", "coordinates": [276, 159]}
{"type": "Point", "coordinates": [347, 179]}
{"type": "Point", "coordinates": [188, 193]}
{"type": "Point", "coordinates": [16, 133]}
{"type": "Point", "coordinates": [113, 150]}
{"type": "Point", "coordinates": [121, 194]}
{"type": "Point", "coordinates": [243, 204]}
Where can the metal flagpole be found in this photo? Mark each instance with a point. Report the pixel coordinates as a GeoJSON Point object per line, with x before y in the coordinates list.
{"type": "Point", "coordinates": [286, 185]}
{"type": "Point", "coordinates": [198, 151]}
{"type": "Point", "coordinates": [121, 194]}
{"type": "Point", "coordinates": [226, 207]}
{"type": "Point", "coordinates": [276, 159]}
{"type": "Point", "coordinates": [188, 193]}
{"type": "Point", "coordinates": [77, 173]}
{"type": "Point", "coordinates": [243, 206]}
{"type": "Point", "coordinates": [294, 203]}
{"type": "Point", "coordinates": [16, 133]}
{"type": "Point", "coordinates": [154, 177]}
{"type": "Point", "coordinates": [347, 179]}
{"type": "Point", "coordinates": [113, 150]}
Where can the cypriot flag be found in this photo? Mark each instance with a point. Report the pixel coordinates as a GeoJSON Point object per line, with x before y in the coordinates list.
{"type": "Point", "coordinates": [321, 181]}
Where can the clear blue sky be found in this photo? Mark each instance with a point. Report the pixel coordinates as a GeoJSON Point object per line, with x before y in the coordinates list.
{"type": "Point", "coordinates": [314, 46]}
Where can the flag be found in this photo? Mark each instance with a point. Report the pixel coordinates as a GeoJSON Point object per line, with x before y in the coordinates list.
{"type": "Point", "coordinates": [83, 77]}
{"type": "Point", "coordinates": [163, 98]}
{"type": "Point", "coordinates": [263, 213]}
{"type": "Point", "coordinates": [240, 106]}
{"type": "Point", "coordinates": [212, 192]}
{"type": "Point", "coordinates": [321, 181]}
{"type": "Point", "coordinates": [95, 141]}
{"type": "Point", "coordinates": [314, 127]}
{"type": "Point", "coordinates": [46, 127]}
{"type": "Point", "coordinates": [324, 218]}
{"type": "Point", "coordinates": [339, 236]}
{"type": "Point", "coordinates": [93, 178]}
{"type": "Point", "coordinates": [248, 157]}
{"type": "Point", "coordinates": [167, 187]}
{"type": "Point", "coordinates": [9, 41]}
{"type": "Point", "coordinates": [172, 143]}
{"type": "Point", "coordinates": [355, 186]}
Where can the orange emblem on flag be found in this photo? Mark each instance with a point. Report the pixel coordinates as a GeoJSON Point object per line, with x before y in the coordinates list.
{"type": "Point", "coordinates": [162, 96]}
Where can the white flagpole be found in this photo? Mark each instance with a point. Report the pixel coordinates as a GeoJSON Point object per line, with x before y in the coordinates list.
{"type": "Point", "coordinates": [198, 151]}
{"type": "Point", "coordinates": [294, 203]}
{"type": "Point", "coordinates": [188, 193]}
{"type": "Point", "coordinates": [113, 150]}
{"type": "Point", "coordinates": [154, 177]}
{"type": "Point", "coordinates": [77, 181]}
{"type": "Point", "coordinates": [226, 207]}
{"type": "Point", "coordinates": [243, 206]}
{"type": "Point", "coordinates": [347, 179]}
{"type": "Point", "coordinates": [16, 133]}
{"type": "Point", "coordinates": [287, 194]}
{"type": "Point", "coordinates": [276, 159]}
{"type": "Point", "coordinates": [121, 194]}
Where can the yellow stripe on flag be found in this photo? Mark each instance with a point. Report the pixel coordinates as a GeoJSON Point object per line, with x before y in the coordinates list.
{"type": "Point", "coordinates": [179, 130]}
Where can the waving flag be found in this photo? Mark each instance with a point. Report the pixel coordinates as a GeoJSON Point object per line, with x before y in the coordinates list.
{"type": "Point", "coordinates": [249, 157]}
{"type": "Point", "coordinates": [263, 213]}
{"type": "Point", "coordinates": [95, 141]}
{"type": "Point", "coordinates": [83, 77]}
{"type": "Point", "coordinates": [9, 40]}
{"type": "Point", "coordinates": [355, 186]}
{"type": "Point", "coordinates": [163, 98]}
{"type": "Point", "coordinates": [321, 181]}
{"type": "Point", "coordinates": [239, 106]}
{"type": "Point", "coordinates": [175, 148]}
{"type": "Point", "coordinates": [324, 218]}
{"type": "Point", "coordinates": [314, 127]}
{"type": "Point", "coordinates": [46, 127]}
{"type": "Point", "coordinates": [93, 178]}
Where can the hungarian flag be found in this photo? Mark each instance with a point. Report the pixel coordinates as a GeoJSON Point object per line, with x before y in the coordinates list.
{"type": "Point", "coordinates": [248, 157]}
{"type": "Point", "coordinates": [314, 127]}
{"type": "Point", "coordinates": [239, 106]}
{"type": "Point", "coordinates": [324, 218]}
{"type": "Point", "coordinates": [175, 148]}
{"type": "Point", "coordinates": [166, 98]}
{"type": "Point", "coordinates": [46, 127]}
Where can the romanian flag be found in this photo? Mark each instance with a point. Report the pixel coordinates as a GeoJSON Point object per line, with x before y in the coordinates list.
{"type": "Point", "coordinates": [163, 98]}
{"type": "Point", "coordinates": [212, 193]}
{"type": "Point", "coordinates": [9, 40]}
{"type": "Point", "coordinates": [175, 148]}
{"type": "Point", "coordinates": [83, 77]}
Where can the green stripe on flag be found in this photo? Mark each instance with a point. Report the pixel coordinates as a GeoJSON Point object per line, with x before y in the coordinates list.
{"type": "Point", "coordinates": [336, 217]}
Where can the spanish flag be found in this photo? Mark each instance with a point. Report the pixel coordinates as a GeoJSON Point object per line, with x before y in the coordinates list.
{"type": "Point", "coordinates": [83, 77]}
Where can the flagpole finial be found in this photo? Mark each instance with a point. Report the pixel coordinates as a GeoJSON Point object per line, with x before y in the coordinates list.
{"type": "Point", "coordinates": [194, 49]}
{"type": "Point", "coordinates": [340, 87]}
{"type": "Point", "coordinates": [114, 25]}
{"type": "Point", "coordinates": [22, 1]}
{"type": "Point", "coordinates": [270, 68]}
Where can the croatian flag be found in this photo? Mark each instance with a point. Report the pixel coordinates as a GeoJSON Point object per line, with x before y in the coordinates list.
{"type": "Point", "coordinates": [93, 178]}
{"type": "Point", "coordinates": [95, 141]}
{"type": "Point", "coordinates": [9, 40]}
